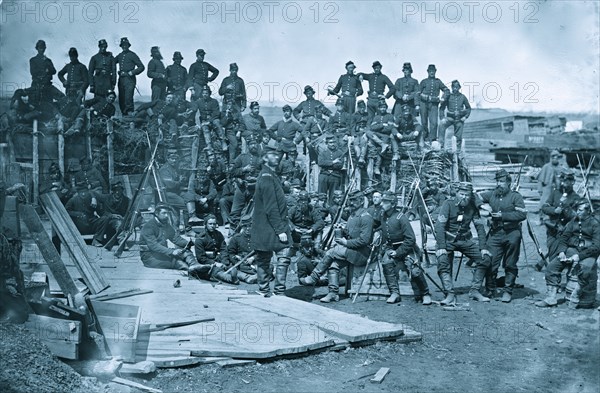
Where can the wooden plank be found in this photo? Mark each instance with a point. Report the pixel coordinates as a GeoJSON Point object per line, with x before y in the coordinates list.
{"type": "Point", "coordinates": [63, 349]}
{"type": "Point", "coordinates": [353, 328]}
{"type": "Point", "coordinates": [120, 325]}
{"type": "Point", "coordinates": [73, 242]}
{"type": "Point", "coordinates": [378, 378]}
{"type": "Point", "coordinates": [36, 163]}
{"type": "Point", "coordinates": [48, 251]}
{"type": "Point", "coordinates": [120, 295]}
{"type": "Point", "coordinates": [144, 367]}
{"type": "Point", "coordinates": [235, 362]}
{"type": "Point", "coordinates": [109, 148]}
{"type": "Point", "coordinates": [136, 385]}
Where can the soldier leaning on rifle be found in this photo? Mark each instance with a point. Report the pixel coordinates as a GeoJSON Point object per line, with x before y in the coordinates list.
{"type": "Point", "coordinates": [77, 80]}
{"type": "Point", "coordinates": [157, 72]}
{"type": "Point", "coordinates": [429, 100]}
{"type": "Point", "coordinates": [238, 247]}
{"type": "Point", "coordinates": [504, 242]}
{"type": "Point", "coordinates": [352, 248]}
{"type": "Point", "coordinates": [331, 162]}
{"type": "Point", "coordinates": [211, 253]}
{"type": "Point", "coordinates": [453, 233]}
{"type": "Point", "coordinates": [458, 111]}
{"type": "Point", "coordinates": [130, 65]}
{"type": "Point", "coordinates": [233, 88]}
{"type": "Point", "coordinates": [400, 251]}
{"type": "Point", "coordinates": [406, 92]}
{"type": "Point", "coordinates": [579, 247]}
{"type": "Point", "coordinates": [154, 252]}
{"type": "Point", "coordinates": [377, 84]}
{"type": "Point", "coordinates": [559, 210]}
{"type": "Point", "coordinates": [270, 231]}
{"type": "Point", "coordinates": [348, 88]}
{"type": "Point", "coordinates": [102, 71]}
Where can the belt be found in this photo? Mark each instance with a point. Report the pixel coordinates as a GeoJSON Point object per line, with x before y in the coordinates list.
{"type": "Point", "coordinates": [331, 172]}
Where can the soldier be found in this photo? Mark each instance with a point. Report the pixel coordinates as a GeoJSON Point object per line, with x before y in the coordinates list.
{"type": "Point", "coordinates": [504, 242]}
{"type": "Point", "coordinates": [88, 214]}
{"type": "Point", "coordinates": [407, 92]}
{"type": "Point", "coordinates": [115, 206]}
{"type": "Point", "coordinates": [286, 131]}
{"type": "Point", "coordinates": [400, 251]}
{"type": "Point", "coordinates": [579, 247]}
{"type": "Point", "coordinates": [353, 248]}
{"type": "Point", "coordinates": [210, 114]}
{"type": "Point", "coordinates": [157, 72]}
{"type": "Point", "coordinates": [42, 69]}
{"type": "Point", "coordinates": [377, 83]}
{"type": "Point", "coordinates": [102, 71]}
{"type": "Point", "coordinates": [306, 111]}
{"type": "Point", "coordinates": [154, 251]}
{"type": "Point", "coordinates": [173, 180]}
{"type": "Point", "coordinates": [429, 98]}
{"type": "Point", "coordinates": [176, 76]}
{"type": "Point", "coordinates": [331, 162]}
{"type": "Point", "coordinates": [305, 220]}
{"type": "Point", "coordinates": [198, 75]}
{"type": "Point", "coordinates": [409, 128]}
{"type": "Point", "coordinates": [310, 255]}
{"type": "Point", "coordinates": [130, 65]}
{"type": "Point", "coordinates": [239, 246]}
{"type": "Point", "coordinates": [160, 111]}
{"type": "Point", "coordinates": [380, 133]}
{"type": "Point", "coordinates": [549, 177]}
{"type": "Point", "coordinates": [245, 169]}
{"type": "Point", "coordinates": [232, 121]}
{"type": "Point", "coordinates": [559, 210]}
{"type": "Point", "coordinates": [453, 233]}
{"type": "Point", "coordinates": [254, 125]}
{"type": "Point", "coordinates": [99, 107]}
{"type": "Point", "coordinates": [77, 80]}
{"type": "Point", "coordinates": [201, 198]}
{"type": "Point", "coordinates": [340, 122]}
{"type": "Point", "coordinates": [458, 112]}
{"type": "Point", "coordinates": [211, 253]}
{"type": "Point", "coordinates": [375, 209]}
{"type": "Point", "coordinates": [90, 177]}
{"type": "Point", "coordinates": [270, 231]}
{"type": "Point", "coordinates": [233, 88]}
{"type": "Point", "coordinates": [348, 88]}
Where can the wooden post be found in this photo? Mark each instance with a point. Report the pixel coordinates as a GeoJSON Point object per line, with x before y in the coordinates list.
{"type": "Point", "coordinates": [109, 147]}
{"type": "Point", "coordinates": [61, 145]}
{"type": "Point", "coordinates": [88, 136]}
{"type": "Point", "coordinates": [193, 163]}
{"type": "Point", "coordinates": [36, 163]}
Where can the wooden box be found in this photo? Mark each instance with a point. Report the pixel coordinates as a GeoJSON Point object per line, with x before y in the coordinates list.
{"type": "Point", "coordinates": [62, 336]}
{"type": "Point", "coordinates": [120, 325]}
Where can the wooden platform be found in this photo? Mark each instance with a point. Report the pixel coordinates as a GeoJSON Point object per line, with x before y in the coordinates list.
{"type": "Point", "coordinates": [245, 326]}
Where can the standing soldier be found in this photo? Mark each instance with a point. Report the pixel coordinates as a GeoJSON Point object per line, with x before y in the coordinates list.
{"type": "Point", "coordinates": [579, 247]}
{"type": "Point", "coordinates": [548, 178]}
{"type": "Point", "coordinates": [198, 75]}
{"type": "Point", "coordinates": [377, 83]}
{"type": "Point", "coordinates": [306, 111]}
{"type": "Point", "coordinates": [157, 72]}
{"type": "Point", "coordinates": [286, 131]}
{"type": "Point", "coordinates": [176, 75]}
{"type": "Point", "coordinates": [42, 69]}
{"type": "Point", "coordinates": [400, 251]}
{"type": "Point", "coordinates": [429, 97]}
{"type": "Point", "coordinates": [270, 231]}
{"type": "Point", "coordinates": [508, 210]}
{"type": "Point", "coordinates": [458, 112]}
{"type": "Point", "coordinates": [233, 88]}
{"type": "Point", "coordinates": [331, 162]}
{"type": "Point", "coordinates": [348, 88]}
{"type": "Point", "coordinates": [130, 65]}
{"type": "Point", "coordinates": [453, 233]}
{"type": "Point", "coordinates": [77, 80]}
{"type": "Point", "coordinates": [352, 248]}
{"type": "Point", "coordinates": [559, 209]}
{"type": "Point", "coordinates": [231, 120]}
{"type": "Point", "coordinates": [102, 71]}
{"type": "Point", "coordinates": [407, 92]}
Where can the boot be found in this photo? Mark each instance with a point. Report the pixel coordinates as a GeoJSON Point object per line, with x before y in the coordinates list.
{"type": "Point", "coordinates": [191, 209]}
{"type": "Point", "coordinates": [509, 284]}
{"type": "Point", "coordinates": [476, 283]}
{"type": "Point", "coordinates": [263, 278]}
{"type": "Point", "coordinates": [318, 271]}
{"type": "Point", "coordinates": [427, 300]}
{"type": "Point", "coordinates": [550, 300]}
{"type": "Point", "coordinates": [280, 277]}
{"type": "Point", "coordinates": [574, 298]}
{"type": "Point", "coordinates": [333, 276]}
{"type": "Point", "coordinates": [447, 283]}
{"type": "Point", "coordinates": [391, 279]}
{"type": "Point", "coordinates": [476, 295]}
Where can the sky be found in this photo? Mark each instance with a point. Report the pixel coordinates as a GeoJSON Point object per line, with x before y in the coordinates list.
{"type": "Point", "coordinates": [514, 55]}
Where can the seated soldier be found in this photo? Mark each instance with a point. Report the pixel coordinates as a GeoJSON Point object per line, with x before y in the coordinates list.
{"type": "Point", "coordinates": [305, 220]}
{"type": "Point", "coordinates": [238, 248]}
{"type": "Point", "coordinates": [88, 214]}
{"type": "Point", "coordinates": [201, 199]}
{"type": "Point", "coordinates": [211, 253]}
{"type": "Point", "coordinates": [89, 176]}
{"type": "Point", "coordinates": [154, 251]}
{"type": "Point", "coordinates": [309, 258]}
{"type": "Point", "coordinates": [98, 108]}
{"type": "Point", "coordinates": [115, 206]}
{"type": "Point", "coordinates": [209, 117]}
{"type": "Point", "coordinates": [409, 128]}
{"type": "Point", "coordinates": [380, 133]}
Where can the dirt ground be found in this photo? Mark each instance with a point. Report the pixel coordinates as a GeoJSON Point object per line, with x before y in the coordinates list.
{"type": "Point", "coordinates": [493, 347]}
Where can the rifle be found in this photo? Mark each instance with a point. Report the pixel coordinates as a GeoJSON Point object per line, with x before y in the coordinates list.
{"type": "Point", "coordinates": [376, 244]}
{"type": "Point", "coordinates": [517, 183]}
{"type": "Point", "coordinates": [538, 266]}
{"type": "Point", "coordinates": [585, 189]}
{"type": "Point", "coordinates": [329, 237]}
{"type": "Point", "coordinates": [459, 265]}
{"type": "Point", "coordinates": [244, 259]}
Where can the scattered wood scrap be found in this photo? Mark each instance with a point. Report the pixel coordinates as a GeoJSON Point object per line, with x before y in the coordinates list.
{"type": "Point", "coordinates": [143, 367]}
{"type": "Point", "coordinates": [380, 375]}
{"type": "Point", "coordinates": [120, 295]}
{"type": "Point", "coordinates": [235, 362]}
{"type": "Point", "coordinates": [143, 388]}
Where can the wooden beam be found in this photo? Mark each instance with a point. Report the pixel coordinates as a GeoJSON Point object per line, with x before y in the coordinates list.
{"type": "Point", "coordinates": [136, 385]}
{"type": "Point", "coordinates": [111, 153]}
{"type": "Point", "coordinates": [378, 378]}
{"type": "Point", "coordinates": [73, 242]}
{"type": "Point", "coordinates": [120, 295]}
{"type": "Point", "coordinates": [36, 163]}
{"type": "Point", "coordinates": [48, 251]}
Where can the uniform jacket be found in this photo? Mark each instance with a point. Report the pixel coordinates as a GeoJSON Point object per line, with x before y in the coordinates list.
{"type": "Point", "coordinates": [209, 108]}
{"type": "Point", "coordinates": [286, 129]}
{"type": "Point", "coordinates": [457, 106]}
{"type": "Point", "coordinates": [81, 206]}
{"type": "Point", "coordinates": [154, 236]}
{"type": "Point", "coordinates": [237, 94]}
{"type": "Point", "coordinates": [340, 119]}
{"type": "Point", "coordinates": [112, 206]}
{"type": "Point", "coordinates": [408, 86]}
{"type": "Point", "coordinates": [559, 221]}
{"type": "Point", "coordinates": [348, 85]}
{"type": "Point", "coordinates": [254, 124]}
{"type": "Point", "coordinates": [243, 160]}
{"type": "Point", "coordinates": [170, 177]}
{"type": "Point", "coordinates": [210, 247]}
{"type": "Point", "coordinates": [307, 108]}
{"type": "Point", "coordinates": [430, 88]}
{"type": "Point", "coordinates": [454, 224]}
{"type": "Point", "coordinates": [156, 70]}
{"type": "Point", "coordinates": [176, 75]}
{"type": "Point", "coordinates": [326, 158]}
{"type": "Point", "coordinates": [512, 207]}
{"type": "Point", "coordinates": [584, 235]}
{"type": "Point", "coordinates": [100, 106]}
{"type": "Point", "coordinates": [397, 233]}
{"type": "Point", "coordinates": [270, 215]}
{"type": "Point", "coordinates": [103, 64]}
{"type": "Point", "coordinates": [383, 124]}
{"type": "Point", "coordinates": [377, 84]}
{"type": "Point", "coordinates": [359, 233]}
{"type": "Point", "coordinates": [41, 69]}
{"type": "Point", "coordinates": [77, 76]}
{"type": "Point", "coordinates": [239, 246]}
{"type": "Point", "coordinates": [129, 61]}
{"type": "Point", "coordinates": [199, 73]}
{"type": "Point", "coordinates": [310, 218]}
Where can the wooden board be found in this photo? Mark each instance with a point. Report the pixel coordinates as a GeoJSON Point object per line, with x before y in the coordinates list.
{"type": "Point", "coordinates": [61, 336]}
{"type": "Point", "coordinates": [10, 217]}
{"type": "Point", "coordinates": [73, 242]}
{"type": "Point", "coordinates": [350, 327]}
{"type": "Point", "coordinates": [120, 325]}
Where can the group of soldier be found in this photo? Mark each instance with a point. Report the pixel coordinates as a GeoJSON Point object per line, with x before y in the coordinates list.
{"type": "Point", "coordinates": [254, 185]}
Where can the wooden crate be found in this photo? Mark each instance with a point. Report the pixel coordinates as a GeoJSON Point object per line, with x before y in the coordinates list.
{"type": "Point", "coordinates": [120, 325]}
{"type": "Point", "coordinates": [60, 335]}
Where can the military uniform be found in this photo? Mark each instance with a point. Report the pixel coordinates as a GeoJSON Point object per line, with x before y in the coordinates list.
{"type": "Point", "coordinates": [504, 239]}
{"type": "Point", "coordinates": [286, 131]}
{"type": "Point", "coordinates": [269, 219]}
{"type": "Point", "coordinates": [238, 247]}
{"type": "Point", "coordinates": [176, 76]}
{"type": "Point", "coordinates": [211, 251]}
{"type": "Point", "coordinates": [408, 126]}
{"type": "Point", "coordinates": [233, 89]}
{"type": "Point", "coordinates": [350, 87]}
{"type": "Point", "coordinates": [198, 74]}
{"type": "Point", "coordinates": [232, 121]}
{"type": "Point", "coordinates": [42, 69]}
{"type": "Point", "coordinates": [556, 222]}
{"type": "Point", "coordinates": [102, 72]}
{"type": "Point", "coordinates": [77, 80]}
{"type": "Point", "coordinates": [429, 98]}
{"type": "Point", "coordinates": [377, 84]}
{"type": "Point", "coordinates": [331, 173]}
{"type": "Point", "coordinates": [130, 65]}
{"type": "Point", "coordinates": [172, 181]}
{"type": "Point", "coordinates": [457, 111]}
{"type": "Point", "coordinates": [408, 86]}
{"type": "Point", "coordinates": [157, 72]}
{"type": "Point", "coordinates": [305, 220]}
{"type": "Point", "coordinates": [87, 213]}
